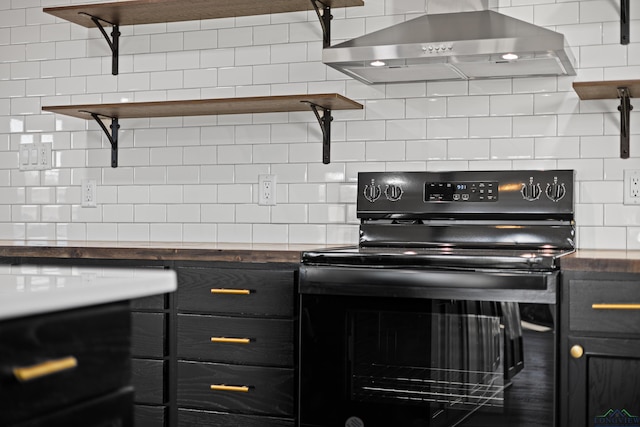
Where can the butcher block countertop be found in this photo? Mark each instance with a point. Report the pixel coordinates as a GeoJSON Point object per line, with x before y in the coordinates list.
{"type": "Point", "coordinates": [614, 261]}
{"type": "Point", "coordinates": [167, 251]}
{"type": "Point", "coordinates": [584, 259]}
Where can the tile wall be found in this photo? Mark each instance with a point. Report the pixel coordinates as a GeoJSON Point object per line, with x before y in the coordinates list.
{"type": "Point", "coordinates": [194, 179]}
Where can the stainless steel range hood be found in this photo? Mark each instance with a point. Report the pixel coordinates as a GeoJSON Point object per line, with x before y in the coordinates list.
{"type": "Point", "coordinates": [453, 46]}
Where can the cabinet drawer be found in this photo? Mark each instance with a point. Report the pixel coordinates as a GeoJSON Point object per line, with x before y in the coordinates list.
{"type": "Point", "coordinates": [196, 418]}
{"type": "Point", "coordinates": [153, 302]}
{"type": "Point", "coordinates": [150, 416]}
{"type": "Point", "coordinates": [236, 291]}
{"type": "Point", "coordinates": [583, 316]}
{"type": "Point", "coordinates": [269, 391]}
{"type": "Point", "coordinates": [113, 409]}
{"type": "Point", "coordinates": [87, 350]}
{"type": "Point", "coordinates": [147, 377]}
{"type": "Point", "coordinates": [236, 340]}
{"type": "Point", "coordinates": [148, 334]}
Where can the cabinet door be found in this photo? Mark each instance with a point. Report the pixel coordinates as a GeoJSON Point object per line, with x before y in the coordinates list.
{"type": "Point", "coordinates": [604, 383]}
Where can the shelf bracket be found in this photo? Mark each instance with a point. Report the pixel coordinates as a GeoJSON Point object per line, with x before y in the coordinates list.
{"type": "Point", "coordinates": [625, 115]}
{"type": "Point", "coordinates": [624, 21]}
{"type": "Point", "coordinates": [324, 121]}
{"type": "Point", "coordinates": [112, 135]}
{"type": "Point", "coordinates": [113, 41]}
{"type": "Point", "coordinates": [325, 18]}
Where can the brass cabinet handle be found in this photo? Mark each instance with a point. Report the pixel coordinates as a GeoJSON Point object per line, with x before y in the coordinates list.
{"type": "Point", "coordinates": [224, 387]}
{"type": "Point", "coordinates": [615, 306]}
{"type": "Point", "coordinates": [50, 367]}
{"type": "Point", "coordinates": [576, 351]}
{"type": "Point", "coordinates": [226, 291]}
{"type": "Point", "coordinates": [231, 340]}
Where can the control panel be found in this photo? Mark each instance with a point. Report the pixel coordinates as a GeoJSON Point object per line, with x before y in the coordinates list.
{"type": "Point", "coordinates": [527, 193]}
{"type": "Point", "coordinates": [484, 191]}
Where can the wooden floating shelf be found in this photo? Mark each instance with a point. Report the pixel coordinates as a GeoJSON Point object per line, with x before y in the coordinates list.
{"type": "Point", "coordinates": [156, 11]}
{"type": "Point", "coordinates": [207, 107]}
{"type": "Point", "coordinates": [606, 89]}
{"type": "Point", "coordinates": [132, 12]}
{"type": "Point", "coordinates": [613, 89]}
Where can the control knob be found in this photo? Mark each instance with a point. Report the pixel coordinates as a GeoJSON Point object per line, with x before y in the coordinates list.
{"type": "Point", "coordinates": [555, 191]}
{"type": "Point", "coordinates": [531, 191]}
{"type": "Point", "coordinates": [393, 192]}
{"type": "Point", "coordinates": [372, 192]}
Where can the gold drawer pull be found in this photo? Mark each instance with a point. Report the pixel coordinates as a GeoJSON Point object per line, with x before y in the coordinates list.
{"type": "Point", "coordinates": [615, 306]}
{"type": "Point", "coordinates": [223, 387]}
{"type": "Point", "coordinates": [224, 291]}
{"type": "Point", "coordinates": [231, 340]}
{"type": "Point", "coordinates": [43, 369]}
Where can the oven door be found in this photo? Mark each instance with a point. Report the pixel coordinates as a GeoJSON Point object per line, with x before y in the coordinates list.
{"type": "Point", "coordinates": [422, 348]}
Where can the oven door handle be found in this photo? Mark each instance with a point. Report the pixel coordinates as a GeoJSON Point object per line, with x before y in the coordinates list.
{"type": "Point", "coordinates": [516, 286]}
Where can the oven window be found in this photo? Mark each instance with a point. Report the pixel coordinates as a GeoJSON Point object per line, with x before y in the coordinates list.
{"type": "Point", "coordinates": [425, 363]}
{"type": "Point", "coordinates": [411, 358]}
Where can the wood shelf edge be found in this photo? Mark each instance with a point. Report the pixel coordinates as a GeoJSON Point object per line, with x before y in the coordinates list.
{"type": "Point", "coordinates": [605, 89]}
{"type": "Point", "coordinates": [134, 12]}
{"type": "Point", "coordinates": [205, 107]}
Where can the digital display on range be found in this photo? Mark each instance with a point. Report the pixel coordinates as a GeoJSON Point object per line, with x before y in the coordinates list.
{"type": "Point", "coordinates": [485, 191]}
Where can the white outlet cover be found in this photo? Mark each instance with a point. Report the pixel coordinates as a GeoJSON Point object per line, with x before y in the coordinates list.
{"type": "Point", "coordinates": [631, 180]}
{"type": "Point", "coordinates": [267, 190]}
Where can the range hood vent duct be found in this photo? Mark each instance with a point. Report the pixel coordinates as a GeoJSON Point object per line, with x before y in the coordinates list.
{"type": "Point", "coordinates": [453, 46]}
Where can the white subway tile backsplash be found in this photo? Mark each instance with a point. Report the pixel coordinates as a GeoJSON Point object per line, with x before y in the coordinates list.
{"type": "Point", "coordinates": [53, 213]}
{"type": "Point", "coordinates": [150, 213]}
{"type": "Point", "coordinates": [194, 179]}
{"type": "Point", "coordinates": [447, 128]}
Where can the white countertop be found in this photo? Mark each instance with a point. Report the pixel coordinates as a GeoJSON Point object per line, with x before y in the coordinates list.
{"type": "Point", "coordinates": [27, 290]}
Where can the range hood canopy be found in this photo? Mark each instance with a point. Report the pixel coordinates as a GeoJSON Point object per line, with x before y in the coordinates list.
{"type": "Point", "coordinates": [453, 46]}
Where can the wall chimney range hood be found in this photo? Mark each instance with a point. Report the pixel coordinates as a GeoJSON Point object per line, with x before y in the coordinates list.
{"type": "Point", "coordinates": [453, 46]}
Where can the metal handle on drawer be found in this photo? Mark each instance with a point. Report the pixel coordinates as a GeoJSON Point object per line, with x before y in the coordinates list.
{"type": "Point", "coordinates": [43, 369]}
{"type": "Point", "coordinates": [224, 387]}
{"type": "Point", "coordinates": [231, 340]}
{"type": "Point", "coordinates": [225, 291]}
{"type": "Point", "coordinates": [615, 306]}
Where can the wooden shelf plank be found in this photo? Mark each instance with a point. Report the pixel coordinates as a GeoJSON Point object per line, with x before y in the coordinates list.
{"type": "Point", "coordinates": [206, 107]}
{"type": "Point", "coordinates": [155, 11]}
{"type": "Point", "coordinates": [606, 89]}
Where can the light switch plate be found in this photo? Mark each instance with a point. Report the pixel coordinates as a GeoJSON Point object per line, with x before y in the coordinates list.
{"type": "Point", "coordinates": [35, 156]}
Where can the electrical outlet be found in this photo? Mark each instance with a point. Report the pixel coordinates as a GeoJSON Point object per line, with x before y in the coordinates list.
{"type": "Point", "coordinates": [267, 190]}
{"type": "Point", "coordinates": [632, 187]}
{"type": "Point", "coordinates": [88, 193]}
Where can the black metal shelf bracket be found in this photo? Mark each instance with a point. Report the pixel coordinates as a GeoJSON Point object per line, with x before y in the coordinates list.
{"type": "Point", "coordinates": [112, 135]}
{"type": "Point", "coordinates": [113, 41]}
{"type": "Point", "coordinates": [625, 115]}
{"type": "Point", "coordinates": [324, 121]}
{"type": "Point", "coordinates": [325, 18]}
{"type": "Point", "coordinates": [624, 21]}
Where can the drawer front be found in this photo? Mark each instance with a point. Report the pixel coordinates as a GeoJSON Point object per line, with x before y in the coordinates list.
{"type": "Point", "coordinates": [153, 302]}
{"type": "Point", "coordinates": [196, 418]}
{"type": "Point", "coordinates": [236, 340]}
{"type": "Point", "coordinates": [236, 291]}
{"type": "Point", "coordinates": [269, 391]}
{"type": "Point", "coordinates": [150, 416]}
{"type": "Point", "coordinates": [611, 312]}
{"type": "Point", "coordinates": [147, 377]}
{"type": "Point", "coordinates": [148, 334]}
{"type": "Point", "coordinates": [86, 352]}
{"type": "Point", "coordinates": [111, 410]}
